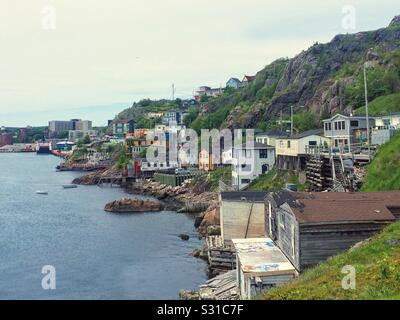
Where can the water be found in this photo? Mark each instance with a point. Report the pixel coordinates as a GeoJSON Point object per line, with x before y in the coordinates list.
{"type": "Point", "coordinates": [97, 255]}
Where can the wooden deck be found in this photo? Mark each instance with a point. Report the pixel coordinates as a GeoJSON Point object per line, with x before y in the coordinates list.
{"type": "Point", "coordinates": [222, 287]}
{"type": "Point", "coordinates": [220, 257]}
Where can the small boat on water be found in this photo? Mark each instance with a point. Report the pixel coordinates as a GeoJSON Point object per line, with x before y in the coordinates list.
{"type": "Point", "coordinates": [70, 186]}
{"type": "Point", "coordinates": [41, 192]}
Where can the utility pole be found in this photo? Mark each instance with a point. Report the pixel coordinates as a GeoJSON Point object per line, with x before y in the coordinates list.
{"type": "Point", "coordinates": [291, 120]}
{"type": "Point", "coordinates": [173, 92]}
{"type": "Point", "coordinates": [366, 113]}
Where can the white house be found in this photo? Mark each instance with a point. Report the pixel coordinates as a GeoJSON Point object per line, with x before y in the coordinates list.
{"type": "Point", "coordinates": [392, 120]}
{"type": "Point", "coordinates": [346, 131]}
{"type": "Point", "coordinates": [249, 162]}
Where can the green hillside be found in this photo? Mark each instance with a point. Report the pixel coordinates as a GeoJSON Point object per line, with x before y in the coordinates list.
{"type": "Point", "coordinates": [382, 105]}
{"type": "Point", "coordinates": [275, 180]}
{"type": "Point", "coordinates": [383, 173]}
{"type": "Point", "coordinates": [377, 266]}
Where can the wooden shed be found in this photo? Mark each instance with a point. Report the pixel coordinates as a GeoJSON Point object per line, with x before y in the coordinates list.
{"type": "Point", "coordinates": [260, 265]}
{"type": "Point", "coordinates": [311, 227]}
{"type": "Point", "coordinates": [241, 215]}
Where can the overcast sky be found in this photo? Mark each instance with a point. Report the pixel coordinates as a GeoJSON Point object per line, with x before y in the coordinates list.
{"type": "Point", "coordinates": [91, 58]}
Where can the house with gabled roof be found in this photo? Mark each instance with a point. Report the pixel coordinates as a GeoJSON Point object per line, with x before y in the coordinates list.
{"type": "Point", "coordinates": [292, 152]}
{"type": "Point", "coordinates": [248, 79]}
{"type": "Point", "coordinates": [311, 227]}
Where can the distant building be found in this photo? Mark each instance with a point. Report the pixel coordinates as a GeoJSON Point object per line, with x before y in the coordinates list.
{"type": "Point", "coordinates": [248, 79]}
{"type": "Point", "coordinates": [122, 127]}
{"type": "Point", "coordinates": [206, 161]}
{"type": "Point", "coordinates": [6, 139]}
{"type": "Point", "coordinates": [208, 92]}
{"type": "Point", "coordinates": [75, 135]}
{"type": "Point", "coordinates": [173, 117]}
{"type": "Point", "coordinates": [57, 126]}
{"type": "Point", "coordinates": [249, 162]}
{"type": "Point", "coordinates": [154, 115]}
{"type": "Point", "coordinates": [234, 83]}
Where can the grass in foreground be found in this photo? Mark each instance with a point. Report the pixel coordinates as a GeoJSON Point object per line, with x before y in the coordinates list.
{"type": "Point", "coordinates": [377, 265]}
{"type": "Point", "coordinates": [383, 173]}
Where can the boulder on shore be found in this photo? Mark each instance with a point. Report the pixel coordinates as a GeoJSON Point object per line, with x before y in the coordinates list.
{"type": "Point", "coordinates": [211, 217]}
{"type": "Point", "coordinates": [127, 205]}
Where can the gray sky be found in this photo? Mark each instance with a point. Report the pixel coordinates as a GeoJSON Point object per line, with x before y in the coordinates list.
{"type": "Point", "coordinates": [91, 58]}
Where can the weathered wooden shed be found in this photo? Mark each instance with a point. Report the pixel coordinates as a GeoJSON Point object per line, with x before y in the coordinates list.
{"type": "Point", "coordinates": [310, 227]}
{"type": "Point", "coordinates": [260, 265]}
{"type": "Point", "coordinates": [241, 215]}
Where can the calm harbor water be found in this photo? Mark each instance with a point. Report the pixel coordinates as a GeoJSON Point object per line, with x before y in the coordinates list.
{"type": "Point", "coordinates": [97, 255]}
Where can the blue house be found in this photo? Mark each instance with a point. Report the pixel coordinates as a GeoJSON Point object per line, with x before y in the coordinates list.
{"type": "Point", "coordinates": [234, 83]}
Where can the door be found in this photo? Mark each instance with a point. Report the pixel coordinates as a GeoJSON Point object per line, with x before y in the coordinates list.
{"type": "Point", "coordinates": [265, 168]}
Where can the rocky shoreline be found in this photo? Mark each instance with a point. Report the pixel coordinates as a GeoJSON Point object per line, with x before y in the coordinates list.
{"type": "Point", "coordinates": [187, 198]}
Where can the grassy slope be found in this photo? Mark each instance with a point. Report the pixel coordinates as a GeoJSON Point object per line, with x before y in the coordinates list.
{"type": "Point", "coordinates": [384, 172]}
{"type": "Point", "coordinates": [377, 265]}
{"type": "Point", "coordinates": [223, 173]}
{"type": "Point", "coordinates": [382, 105]}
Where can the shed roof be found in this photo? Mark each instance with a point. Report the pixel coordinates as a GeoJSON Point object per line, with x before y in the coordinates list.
{"type": "Point", "coordinates": [249, 196]}
{"type": "Point", "coordinates": [273, 133]}
{"type": "Point", "coordinates": [255, 145]}
{"type": "Point", "coordinates": [260, 256]}
{"type": "Point", "coordinates": [319, 207]}
{"type": "Point", "coordinates": [318, 132]}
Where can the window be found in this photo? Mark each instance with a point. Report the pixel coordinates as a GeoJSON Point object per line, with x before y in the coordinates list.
{"type": "Point", "coordinates": [312, 143]}
{"type": "Point", "coordinates": [288, 144]}
{"type": "Point", "coordinates": [245, 181]}
{"type": "Point", "coordinates": [293, 242]}
{"type": "Point", "coordinates": [354, 123]}
{"type": "Point", "coordinates": [336, 125]}
{"type": "Point", "coordinates": [263, 153]}
{"type": "Point", "coordinates": [343, 125]}
{"type": "Point", "coordinates": [282, 220]}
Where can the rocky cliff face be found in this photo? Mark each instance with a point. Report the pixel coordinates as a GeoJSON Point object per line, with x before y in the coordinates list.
{"type": "Point", "coordinates": [316, 78]}
{"type": "Point", "coordinates": [309, 78]}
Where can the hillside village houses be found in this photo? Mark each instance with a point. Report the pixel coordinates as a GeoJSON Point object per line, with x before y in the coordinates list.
{"type": "Point", "coordinates": [341, 133]}
{"type": "Point", "coordinates": [234, 83]}
{"type": "Point", "coordinates": [249, 161]}
{"type": "Point", "coordinates": [247, 80]}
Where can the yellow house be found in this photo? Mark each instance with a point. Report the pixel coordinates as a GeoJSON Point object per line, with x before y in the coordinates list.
{"type": "Point", "coordinates": [206, 160]}
{"type": "Point", "coordinates": [292, 152]}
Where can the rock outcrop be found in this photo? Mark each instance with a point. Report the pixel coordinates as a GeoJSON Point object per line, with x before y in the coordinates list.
{"type": "Point", "coordinates": [127, 205]}
{"type": "Point", "coordinates": [210, 218]}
